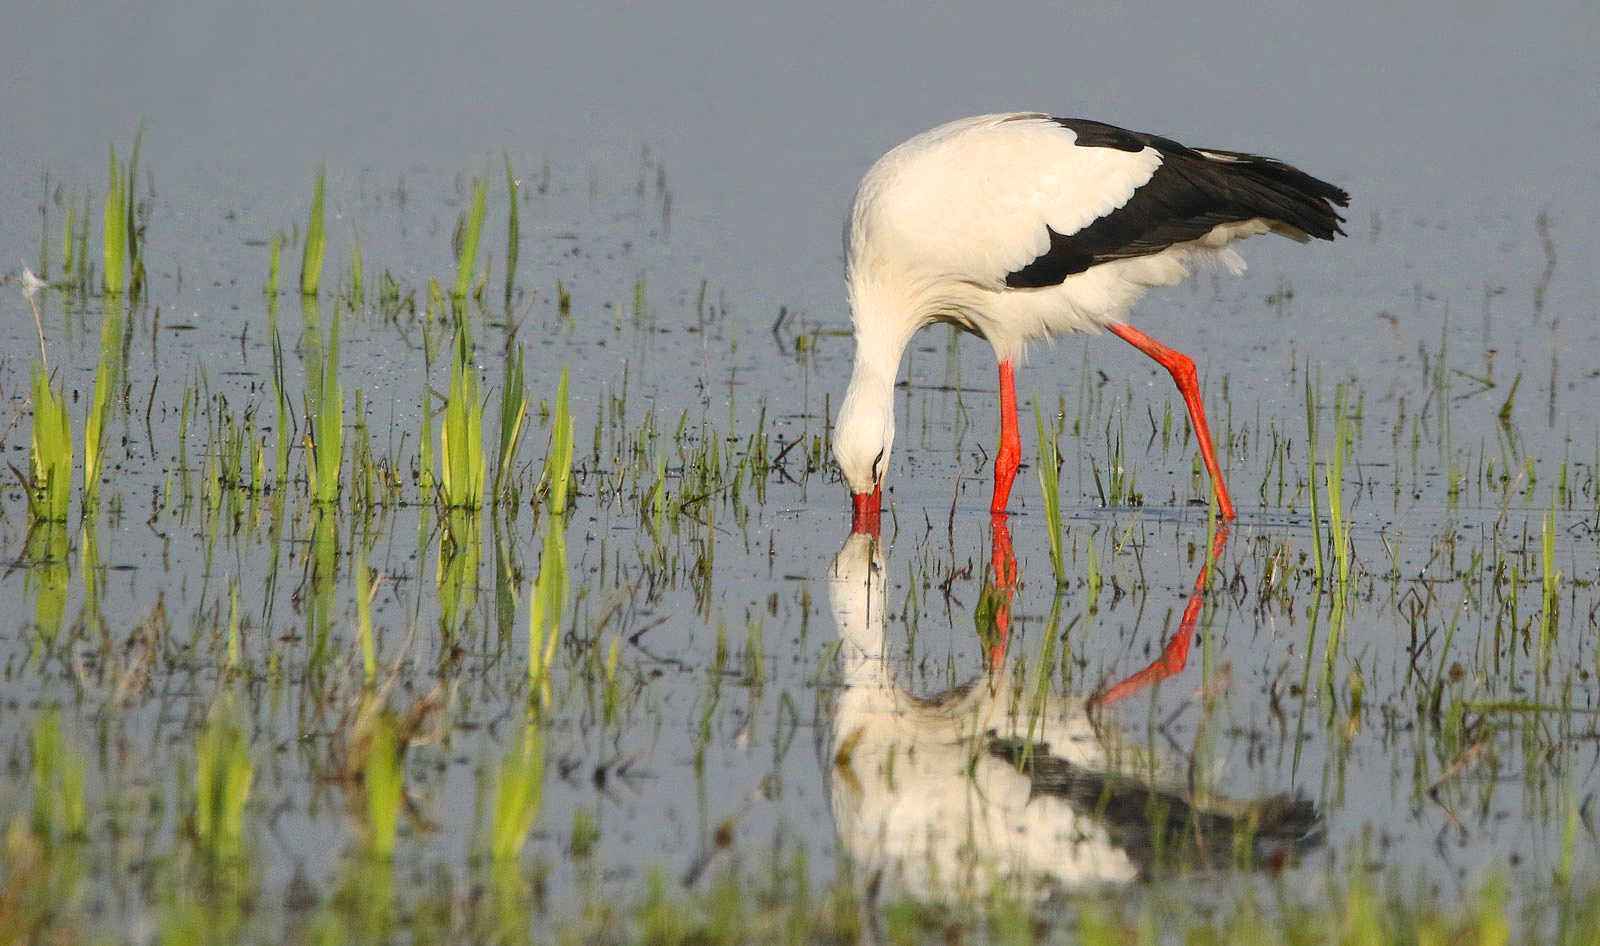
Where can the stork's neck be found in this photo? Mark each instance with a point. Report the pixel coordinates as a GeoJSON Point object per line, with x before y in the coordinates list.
{"type": "Point", "coordinates": [864, 431]}
{"type": "Point", "coordinates": [885, 320]}
{"type": "Point", "coordinates": [872, 380]}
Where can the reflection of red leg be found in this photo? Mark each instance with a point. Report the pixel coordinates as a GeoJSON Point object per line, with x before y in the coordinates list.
{"type": "Point", "coordinates": [867, 513]}
{"type": "Point", "coordinates": [1009, 457]}
{"type": "Point", "coordinates": [1181, 367]}
{"type": "Point", "coordinates": [1004, 563]}
{"type": "Point", "coordinates": [1176, 654]}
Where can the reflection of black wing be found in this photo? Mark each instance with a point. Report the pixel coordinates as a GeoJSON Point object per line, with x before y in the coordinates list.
{"type": "Point", "coordinates": [1160, 829]}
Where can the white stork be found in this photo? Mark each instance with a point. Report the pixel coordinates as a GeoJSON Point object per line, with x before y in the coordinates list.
{"type": "Point", "coordinates": [1019, 227]}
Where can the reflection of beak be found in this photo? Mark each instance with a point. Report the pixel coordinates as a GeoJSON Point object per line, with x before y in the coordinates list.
{"type": "Point", "coordinates": [868, 509]}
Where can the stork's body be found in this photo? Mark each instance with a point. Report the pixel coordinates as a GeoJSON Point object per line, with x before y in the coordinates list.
{"type": "Point", "coordinates": [1019, 227]}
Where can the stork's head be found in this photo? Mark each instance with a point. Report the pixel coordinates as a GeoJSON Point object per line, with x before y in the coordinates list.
{"type": "Point", "coordinates": [862, 436]}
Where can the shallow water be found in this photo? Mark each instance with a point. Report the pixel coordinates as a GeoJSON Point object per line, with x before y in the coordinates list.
{"type": "Point", "coordinates": [684, 175]}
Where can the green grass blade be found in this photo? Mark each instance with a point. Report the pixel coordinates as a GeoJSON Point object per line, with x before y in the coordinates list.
{"type": "Point", "coordinates": [130, 213]}
{"type": "Point", "coordinates": [557, 476]}
{"type": "Point", "coordinates": [513, 416]}
{"type": "Point", "coordinates": [357, 296]}
{"type": "Point", "coordinates": [513, 233]}
{"type": "Point", "coordinates": [50, 458]}
{"type": "Point", "coordinates": [324, 406]}
{"type": "Point", "coordinates": [115, 230]}
{"type": "Point", "coordinates": [467, 253]}
{"type": "Point", "coordinates": [273, 265]}
{"type": "Point", "coordinates": [1312, 398]}
{"type": "Point", "coordinates": [316, 242]}
{"type": "Point", "coordinates": [1050, 485]}
{"type": "Point", "coordinates": [68, 229]}
{"type": "Point", "coordinates": [106, 382]}
{"type": "Point", "coordinates": [461, 466]}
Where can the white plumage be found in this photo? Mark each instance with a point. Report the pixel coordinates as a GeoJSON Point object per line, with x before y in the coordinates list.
{"type": "Point", "coordinates": [1019, 227]}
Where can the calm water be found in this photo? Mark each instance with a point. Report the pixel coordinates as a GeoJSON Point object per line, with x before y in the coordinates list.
{"type": "Point", "coordinates": [684, 178]}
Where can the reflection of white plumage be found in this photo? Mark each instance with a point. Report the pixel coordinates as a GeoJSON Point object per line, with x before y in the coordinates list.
{"type": "Point", "coordinates": [929, 798]}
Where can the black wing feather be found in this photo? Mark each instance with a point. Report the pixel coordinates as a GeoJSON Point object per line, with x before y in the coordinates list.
{"type": "Point", "coordinates": [1190, 193]}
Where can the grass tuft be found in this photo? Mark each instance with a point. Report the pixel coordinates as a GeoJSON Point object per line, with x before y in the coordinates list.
{"type": "Point", "coordinates": [324, 408]}
{"type": "Point", "coordinates": [49, 480]}
{"type": "Point", "coordinates": [461, 466]}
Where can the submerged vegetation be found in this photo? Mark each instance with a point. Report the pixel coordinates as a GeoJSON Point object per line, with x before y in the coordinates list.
{"type": "Point", "coordinates": [306, 651]}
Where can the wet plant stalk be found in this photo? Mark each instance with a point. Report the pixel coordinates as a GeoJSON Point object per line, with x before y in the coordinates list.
{"type": "Point", "coordinates": [316, 242]}
{"type": "Point", "coordinates": [471, 230]}
{"type": "Point", "coordinates": [50, 458]}
{"type": "Point", "coordinates": [1050, 486]}
{"type": "Point", "coordinates": [461, 464]}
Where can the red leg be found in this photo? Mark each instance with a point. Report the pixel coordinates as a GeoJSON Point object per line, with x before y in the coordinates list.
{"type": "Point", "coordinates": [1176, 654]}
{"type": "Point", "coordinates": [1182, 370]}
{"type": "Point", "coordinates": [1009, 456]}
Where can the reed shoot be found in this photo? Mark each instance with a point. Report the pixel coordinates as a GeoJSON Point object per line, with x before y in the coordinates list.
{"type": "Point", "coordinates": [461, 464]}
{"type": "Point", "coordinates": [324, 411]}
{"type": "Point", "coordinates": [556, 479]}
{"type": "Point", "coordinates": [116, 227]}
{"type": "Point", "coordinates": [50, 458]}
{"type": "Point", "coordinates": [107, 380]}
{"type": "Point", "coordinates": [1050, 486]}
{"type": "Point", "coordinates": [513, 233]}
{"type": "Point", "coordinates": [469, 230]}
{"type": "Point", "coordinates": [316, 242]}
{"type": "Point", "coordinates": [513, 416]}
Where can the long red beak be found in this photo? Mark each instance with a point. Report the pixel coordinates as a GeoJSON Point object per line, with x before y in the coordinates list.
{"type": "Point", "coordinates": [868, 511]}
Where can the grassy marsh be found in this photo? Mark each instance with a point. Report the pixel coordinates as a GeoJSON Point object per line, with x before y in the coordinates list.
{"type": "Point", "coordinates": [305, 650]}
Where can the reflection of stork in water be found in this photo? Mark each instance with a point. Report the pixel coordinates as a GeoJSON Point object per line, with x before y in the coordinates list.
{"type": "Point", "coordinates": [981, 785]}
